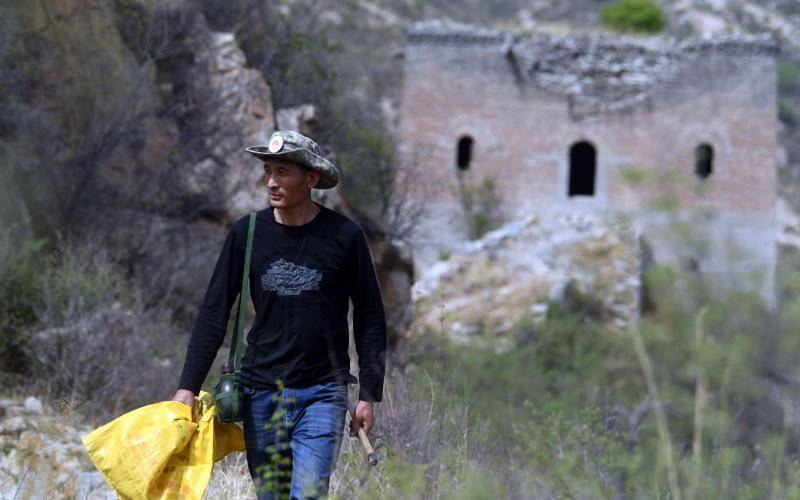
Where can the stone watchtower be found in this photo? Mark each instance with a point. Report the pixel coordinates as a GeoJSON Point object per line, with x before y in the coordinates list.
{"type": "Point", "coordinates": [662, 130]}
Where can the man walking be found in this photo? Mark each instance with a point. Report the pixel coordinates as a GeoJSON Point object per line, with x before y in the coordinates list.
{"type": "Point", "coordinates": [308, 261]}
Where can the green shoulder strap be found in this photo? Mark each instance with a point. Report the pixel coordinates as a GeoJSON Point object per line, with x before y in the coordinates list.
{"type": "Point", "coordinates": [236, 344]}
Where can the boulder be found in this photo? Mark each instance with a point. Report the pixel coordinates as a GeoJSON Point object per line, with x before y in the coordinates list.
{"type": "Point", "coordinates": [33, 406]}
{"type": "Point", "coordinates": [301, 118]}
{"type": "Point", "coordinates": [229, 108]}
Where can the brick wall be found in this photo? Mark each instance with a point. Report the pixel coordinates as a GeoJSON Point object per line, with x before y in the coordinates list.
{"type": "Point", "coordinates": [720, 94]}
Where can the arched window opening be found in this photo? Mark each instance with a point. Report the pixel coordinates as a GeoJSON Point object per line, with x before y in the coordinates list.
{"type": "Point", "coordinates": [582, 169]}
{"type": "Point", "coordinates": [464, 153]}
{"type": "Point", "coordinates": [703, 160]}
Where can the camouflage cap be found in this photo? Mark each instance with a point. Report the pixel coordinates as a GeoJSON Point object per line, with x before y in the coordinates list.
{"type": "Point", "coordinates": [294, 146]}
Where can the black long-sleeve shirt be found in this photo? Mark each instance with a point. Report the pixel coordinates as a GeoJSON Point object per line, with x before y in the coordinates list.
{"type": "Point", "coordinates": [301, 281]}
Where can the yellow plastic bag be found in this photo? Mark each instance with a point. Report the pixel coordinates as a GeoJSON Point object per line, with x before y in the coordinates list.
{"type": "Point", "coordinates": [158, 451]}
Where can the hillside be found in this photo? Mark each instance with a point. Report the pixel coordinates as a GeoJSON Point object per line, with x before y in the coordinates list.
{"type": "Point", "coordinates": [526, 363]}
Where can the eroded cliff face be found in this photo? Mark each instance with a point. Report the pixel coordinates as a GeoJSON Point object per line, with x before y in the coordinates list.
{"type": "Point", "coordinates": [219, 106]}
{"type": "Point", "coordinates": [235, 97]}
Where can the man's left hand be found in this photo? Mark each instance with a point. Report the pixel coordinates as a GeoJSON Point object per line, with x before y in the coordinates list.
{"type": "Point", "coordinates": [363, 416]}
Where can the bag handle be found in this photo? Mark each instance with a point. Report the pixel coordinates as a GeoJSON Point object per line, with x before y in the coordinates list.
{"type": "Point", "coordinates": [236, 344]}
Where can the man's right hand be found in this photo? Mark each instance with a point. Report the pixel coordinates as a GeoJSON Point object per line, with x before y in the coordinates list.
{"type": "Point", "coordinates": [184, 396]}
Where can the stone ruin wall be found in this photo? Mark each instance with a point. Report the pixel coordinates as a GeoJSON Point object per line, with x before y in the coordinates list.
{"type": "Point", "coordinates": [645, 104]}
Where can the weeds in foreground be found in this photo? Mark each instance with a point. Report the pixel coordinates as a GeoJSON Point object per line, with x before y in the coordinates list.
{"type": "Point", "coordinates": [678, 406]}
{"type": "Point", "coordinates": [689, 402]}
{"type": "Point", "coordinates": [230, 479]}
{"type": "Point", "coordinates": [694, 401]}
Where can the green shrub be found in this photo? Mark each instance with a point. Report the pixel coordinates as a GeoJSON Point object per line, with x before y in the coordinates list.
{"type": "Point", "coordinates": [667, 202]}
{"type": "Point", "coordinates": [633, 175]}
{"type": "Point", "coordinates": [21, 288]}
{"type": "Point", "coordinates": [366, 156]}
{"type": "Point", "coordinates": [673, 404]}
{"type": "Point", "coordinates": [640, 16]}
{"type": "Point", "coordinates": [787, 114]}
{"type": "Point", "coordinates": [481, 206]}
{"type": "Point", "coordinates": [787, 74]}
{"type": "Point", "coordinates": [71, 326]}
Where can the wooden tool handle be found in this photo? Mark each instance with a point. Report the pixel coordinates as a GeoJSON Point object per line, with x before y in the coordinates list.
{"type": "Point", "coordinates": [372, 459]}
{"type": "Point", "coordinates": [362, 435]}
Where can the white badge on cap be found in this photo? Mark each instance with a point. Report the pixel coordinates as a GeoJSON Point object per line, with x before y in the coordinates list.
{"type": "Point", "coordinates": [275, 144]}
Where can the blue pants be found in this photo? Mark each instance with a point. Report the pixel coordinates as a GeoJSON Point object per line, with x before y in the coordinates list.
{"type": "Point", "coordinates": [293, 437]}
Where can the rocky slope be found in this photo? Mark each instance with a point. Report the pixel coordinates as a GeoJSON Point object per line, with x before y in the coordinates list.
{"type": "Point", "coordinates": [42, 456]}
{"type": "Point", "coordinates": [485, 287]}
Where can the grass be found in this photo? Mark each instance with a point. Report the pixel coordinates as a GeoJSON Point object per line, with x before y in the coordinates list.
{"type": "Point", "coordinates": [230, 478]}
{"type": "Point", "coordinates": [665, 410]}
{"type": "Point", "coordinates": [575, 410]}
{"type": "Point", "coordinates": [665, 441]}
{"type": "Point", "coordinates": [679, 405]}
{"type": "Point", "coordinates": [481, 205]}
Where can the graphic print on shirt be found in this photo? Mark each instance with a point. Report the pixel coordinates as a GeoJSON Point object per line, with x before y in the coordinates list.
{"type": "Point", "coordinates": [287, 278]}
